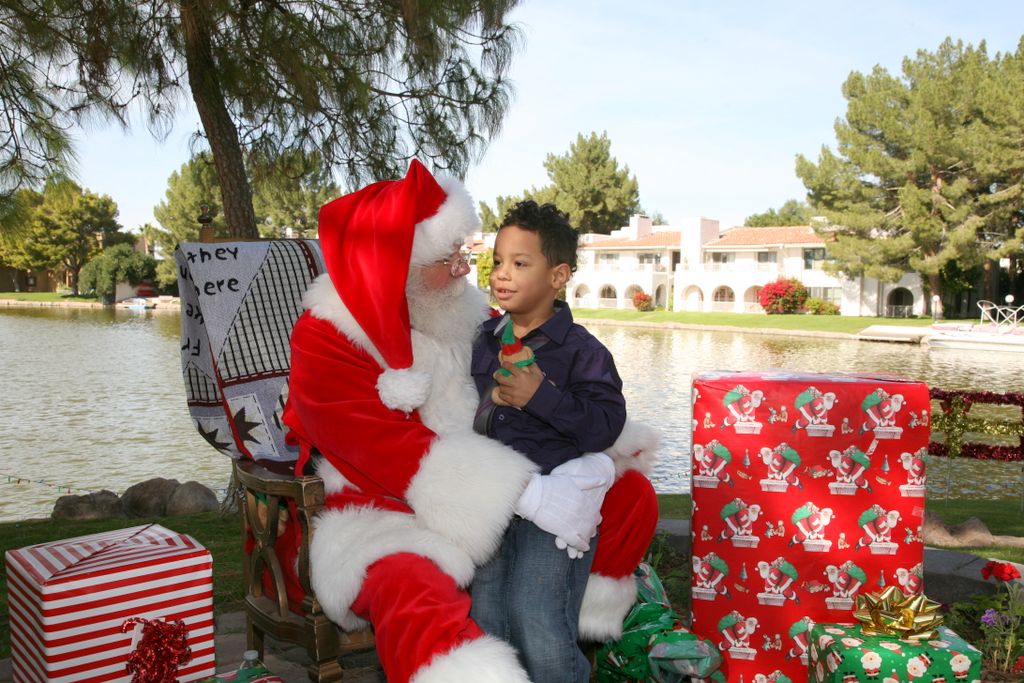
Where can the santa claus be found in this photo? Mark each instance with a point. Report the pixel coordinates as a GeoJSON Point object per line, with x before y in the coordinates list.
{"type": "Point", "coordinates": [380, 388]}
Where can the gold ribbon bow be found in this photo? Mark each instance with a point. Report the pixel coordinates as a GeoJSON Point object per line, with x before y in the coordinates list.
{"type": "Point", "coordinates": [891, 613]}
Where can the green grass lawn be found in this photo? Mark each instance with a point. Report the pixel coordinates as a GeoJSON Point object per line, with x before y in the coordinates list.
{"type": "Point", "coordinates": [221, 535]}
{"type": "Point", "coordinates": [44, 296]}
{"type": "Point", "coordinates": [816, 323]}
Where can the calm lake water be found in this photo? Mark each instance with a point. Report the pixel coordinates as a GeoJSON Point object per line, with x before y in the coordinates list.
{"type": "Point", "coordinates": [93, 399]}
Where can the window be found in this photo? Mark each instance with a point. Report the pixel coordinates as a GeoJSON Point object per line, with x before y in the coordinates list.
{"type": "Point", "coordinates": [813, 258]}
{"type": "Point", "coordinates": [648, 258]}
{"type": "Point", "coordinates": [832, 294]}
{"type": "Point", "coordinates": [720, 257]}
{"type": "Point", "coordinates": [607, 258]}
{"type": "Point", "coordinates": [767, 257]}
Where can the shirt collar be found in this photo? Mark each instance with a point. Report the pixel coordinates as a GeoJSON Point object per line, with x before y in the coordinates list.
{"type": "Point", "coordinates": [554, 328]}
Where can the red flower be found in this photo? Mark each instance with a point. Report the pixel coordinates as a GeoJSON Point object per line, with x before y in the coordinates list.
{"type": "Point", "coordinates": [1002, 571]}
{"type": "Point", "coordinates": [1018, 666]}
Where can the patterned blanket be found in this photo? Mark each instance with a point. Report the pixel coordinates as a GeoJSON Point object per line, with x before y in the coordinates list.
{"type": "Point", "coordinates": [239, 302]}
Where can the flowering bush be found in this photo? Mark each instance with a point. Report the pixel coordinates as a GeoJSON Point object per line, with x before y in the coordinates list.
{"type": "Point", "coordinates": [782, 296]}
{"type": "Point", "coordinates": [1001, 624]}
{"type": "Point", "coordinates": [643, 302]}
{"type": "Point", "coordinates": [1002, 571]}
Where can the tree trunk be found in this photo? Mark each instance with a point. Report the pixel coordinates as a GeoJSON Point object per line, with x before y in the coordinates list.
{"type": "Point", "coordinates": [235, 191]}
{"type": "Point", "coordinates": [933, 285]}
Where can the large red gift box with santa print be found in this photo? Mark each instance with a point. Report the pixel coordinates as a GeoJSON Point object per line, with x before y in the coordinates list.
{"type": "Point", "coordinates": [69, 601]}
{"type": "Point", "coordinates": [807, 490]}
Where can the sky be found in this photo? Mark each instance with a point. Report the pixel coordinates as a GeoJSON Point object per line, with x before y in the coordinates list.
{"type": "Point", "coordinates": [707, 103]}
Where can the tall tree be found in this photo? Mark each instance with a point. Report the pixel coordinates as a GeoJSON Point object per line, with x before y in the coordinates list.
{"type": "Point", "coordinates": [491, 219]}
{"type": "Point", "coordinates": [289, 192]}
{"type": "Point", "coordinates": [792, 212]}
{"type": "Point", "coordinates": [191, 191]}
{"type": "Point", "coordinates": [997, 136]}
{"type": "Point", "coordinates": [589, 185]}
{"type": "Point", "coordinates": [901, 195]}
{"type": "Point", "coordinates": [68, 226]}
{"type": "Point", "coordinates": [368, 84]}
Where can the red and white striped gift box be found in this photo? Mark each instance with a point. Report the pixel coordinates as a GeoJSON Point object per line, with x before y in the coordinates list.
{"type": "Point", "coordinates": [68, 600]}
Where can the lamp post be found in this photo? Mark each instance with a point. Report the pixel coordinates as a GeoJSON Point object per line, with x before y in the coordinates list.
{"type": "Point", "coordinates": [935, 307]}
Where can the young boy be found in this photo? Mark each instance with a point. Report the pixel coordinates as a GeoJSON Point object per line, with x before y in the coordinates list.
{"type": "Point", "coordinates": [568, 402]}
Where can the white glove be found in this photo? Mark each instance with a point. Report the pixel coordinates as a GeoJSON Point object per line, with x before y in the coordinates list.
{"type": "Point", "coordinates": [567, 502]}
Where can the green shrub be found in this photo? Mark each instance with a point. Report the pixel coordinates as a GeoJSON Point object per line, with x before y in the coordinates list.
{"type": "Point", "coordinates": [115, 264]}
{"type": "Point", "coordinates": [816, 306]}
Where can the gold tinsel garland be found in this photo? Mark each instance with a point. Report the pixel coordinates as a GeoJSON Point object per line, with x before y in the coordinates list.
{"type": "Point", "coordinates": [954, 421]}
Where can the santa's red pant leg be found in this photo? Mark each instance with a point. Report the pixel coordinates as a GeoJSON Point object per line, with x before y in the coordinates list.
{"type": "Point", "coordinates": [422, 626]}
{"type": "Point", "coordinates": [629, 518]}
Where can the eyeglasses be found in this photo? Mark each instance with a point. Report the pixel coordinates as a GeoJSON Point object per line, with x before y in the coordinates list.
{"type": "Point", "coordinates": [453, 263]}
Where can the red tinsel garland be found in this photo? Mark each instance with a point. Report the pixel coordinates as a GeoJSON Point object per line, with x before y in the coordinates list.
{"type": "Point", "coordinates": [1006, 398]}
{"type": "Point", "coordinates": [977, 451]}
{"type": "Point", "coordinates": [162, 649]}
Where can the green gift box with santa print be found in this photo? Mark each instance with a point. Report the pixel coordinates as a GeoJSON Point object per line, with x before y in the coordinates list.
{"type": "Point", "coordinates": [842, 653]}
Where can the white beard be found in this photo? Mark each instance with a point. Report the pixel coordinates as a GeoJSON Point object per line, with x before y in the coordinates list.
{"type": "Point", "coordinates": [435, 312]}
{"type": "Point", "coordinates": [444, 323]}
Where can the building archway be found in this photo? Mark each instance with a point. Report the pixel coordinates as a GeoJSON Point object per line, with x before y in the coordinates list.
{"type": "Point", "coordinates": [751, 300]}
{"type": "Point", "coordinates": [608, 298]}
{"type": "Point", "coordinates": [723, 299]}
{"type": "Point", "coordinates": [659, 296]}
{"type": "Point", "coordinates": [580, 295]}
{"type": "Point", "coordinates": [899, 303]}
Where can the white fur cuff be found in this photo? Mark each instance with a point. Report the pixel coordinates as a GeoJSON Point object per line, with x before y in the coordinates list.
{"type": "Point", "coordinates": [484, 660]}
{"type": "Point", "coordinates": [404, 390]}
{"type": "Point", "coordinates": [346, 542]}
{"type": "Point", "coordinates": [466, 490]}
{"type": "Point", "coordinates": [636, 448]}
{"type": "Point", "coordinates": [606, 603]}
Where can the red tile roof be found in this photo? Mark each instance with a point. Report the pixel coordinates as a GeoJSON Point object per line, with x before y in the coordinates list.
{"type": "Point", "coordinates": [748, 237]}
{"type": "Point", "coordinates": [669, 238]}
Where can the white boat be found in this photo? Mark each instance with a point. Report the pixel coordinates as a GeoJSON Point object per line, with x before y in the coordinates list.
{"type": "Point", "coordinates": [1001, 329]}
{"type": "Point", "coordinates": [136, 303]}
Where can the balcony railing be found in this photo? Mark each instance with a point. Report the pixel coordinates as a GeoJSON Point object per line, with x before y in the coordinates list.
{"type": "Point", "coordinates": [901, 311]}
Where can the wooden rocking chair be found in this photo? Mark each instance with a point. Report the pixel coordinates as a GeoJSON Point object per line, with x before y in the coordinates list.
{"type": "Point", "coordinates": [239, 302]}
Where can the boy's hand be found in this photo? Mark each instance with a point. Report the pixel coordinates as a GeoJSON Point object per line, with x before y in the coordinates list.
{"type": "Point", "coordinates": [518, 387]}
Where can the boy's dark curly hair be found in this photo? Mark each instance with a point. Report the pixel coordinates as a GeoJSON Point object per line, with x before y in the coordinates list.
{"type": "Point", "coordinates": [558, 239]}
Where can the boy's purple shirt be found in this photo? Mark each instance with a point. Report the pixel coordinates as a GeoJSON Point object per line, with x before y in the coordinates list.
{"type": "Point", "coordinates": [578, 409]}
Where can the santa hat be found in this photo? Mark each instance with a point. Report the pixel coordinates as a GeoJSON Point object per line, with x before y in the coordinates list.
{"type": "Point", "coordinates": [370, 237]}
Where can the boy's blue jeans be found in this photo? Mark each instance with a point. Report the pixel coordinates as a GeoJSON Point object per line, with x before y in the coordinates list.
{"type": "Point", "coordinates": [530, 594]}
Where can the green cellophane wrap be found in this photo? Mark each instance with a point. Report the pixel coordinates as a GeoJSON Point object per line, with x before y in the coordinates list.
{"type": "Point", "coordinates": [655, 646]}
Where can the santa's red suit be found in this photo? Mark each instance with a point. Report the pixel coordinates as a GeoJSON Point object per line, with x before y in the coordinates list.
{"type": "Point", "coordinates": [416, 499]}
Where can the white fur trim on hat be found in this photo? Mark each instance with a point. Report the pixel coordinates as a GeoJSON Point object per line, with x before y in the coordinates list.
{"type": "Point", "coordinates": [483, 660]}
{"type": "Point", "coordinates": [455, 220]}
{"type": "Point", "coordinates": [346, 542]}
{"type": "Point", "coordinates": [636, 448]}
{"type": "Point", "coordinates": [466, 490]}
{"type": "Point", "coordinates": [404, 389]}
{"type": "Point", "coordinates": [606, 603]}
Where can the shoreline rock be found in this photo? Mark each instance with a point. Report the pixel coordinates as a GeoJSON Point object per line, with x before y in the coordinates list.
{"type": "Point", "coordinates": [157, 497]}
